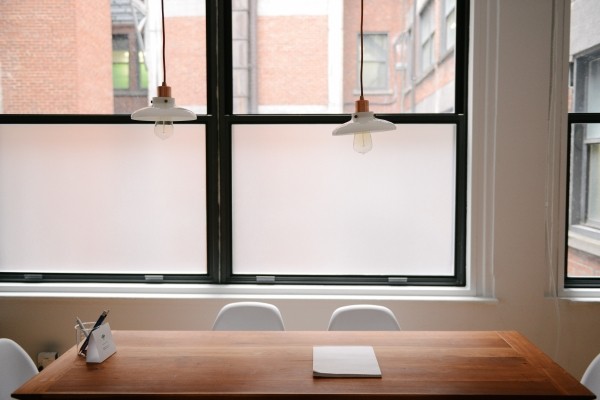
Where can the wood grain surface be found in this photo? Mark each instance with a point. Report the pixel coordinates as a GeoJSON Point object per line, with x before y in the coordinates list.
{"type": "Point", "coordinates": [252, 365]}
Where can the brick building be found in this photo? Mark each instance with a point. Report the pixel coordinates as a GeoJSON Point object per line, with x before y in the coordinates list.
{"type": "Point", "coordinates": [56, 57]}
{"type": "Point", "coordinates": [288, 56]}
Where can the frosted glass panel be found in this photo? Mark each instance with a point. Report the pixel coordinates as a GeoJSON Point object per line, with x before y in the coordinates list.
{"type": "Point", "coordinates": [305, 203]}
{"type": "Point", "coordinates": [102, 199]}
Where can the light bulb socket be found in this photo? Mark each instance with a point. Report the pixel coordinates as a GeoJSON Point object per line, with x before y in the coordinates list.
{"type": "Point", "coordinates": [362, 105]}
{"type": "Point", "coordinates": [164, 90]}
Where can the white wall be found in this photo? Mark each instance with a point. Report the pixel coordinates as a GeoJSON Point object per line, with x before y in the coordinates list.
{"type": "Point", "coordinates": [513, 186]}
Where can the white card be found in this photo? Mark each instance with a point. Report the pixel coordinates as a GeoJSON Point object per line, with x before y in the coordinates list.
{"type": "Point", "coordinates": [101, 345]}
{"type": "Point", "coordinates": [345, 362]}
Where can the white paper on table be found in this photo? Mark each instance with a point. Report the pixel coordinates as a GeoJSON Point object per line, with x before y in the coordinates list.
{"type": "Point", "coordinates": [345, 362]}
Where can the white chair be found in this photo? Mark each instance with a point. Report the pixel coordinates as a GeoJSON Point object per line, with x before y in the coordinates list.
{"type": "Point", "coordinates": [16, 368]}
{"type": "Point", "coordinates": [249, 316]}
{"type": "Point", "coordinates": [363, 317]}
{"type": "Point", "coordinates": [591, 377]}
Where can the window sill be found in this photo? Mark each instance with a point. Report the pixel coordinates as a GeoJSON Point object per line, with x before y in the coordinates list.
{"type": "Point", "coordinates": [582, 299]}
{"type": "Point", "coordinates": [585, 239]}
{"type": "Point", "coordinates": [374, 92]}
{"type": "Point", "coordinates": [170, 291]}
{"type": "Point", "coordinates": [580, 295]}
{"type": "Point", "coordinates": [446, 55]}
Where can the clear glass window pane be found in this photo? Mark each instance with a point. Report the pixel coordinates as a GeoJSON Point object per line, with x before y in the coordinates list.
{"type": "Point", "coordinates": [305, 203]}
{"type": "Point", "coordinates": [593, 90]}
{"type": "Point", "coordinates": [102, 199]}
{"type": "Point", "coordinates": [450, 30]}
{"type": "Point", "coordinates": [375, 68]}
{"type": "Point", "coordinates": [584, 91]}
{"type": "Point", "coordinates": [583, 259]}
{"type": "Point", "coordinates": [51, 65]}
{"type": "Point", "coordinates": [281, 67]}
{"type": "Point", "coordinates": [143, 71]}
{"type": "Point", "coordinates": [120, 75]}
{"type": "Point", "coordinates": [427, 30]}
{"type": "Point", "coordinates": [427, 55]}
{"type": "Point", "coordinates": [120, 59]}
{"type": "Point", "coordinates": [593, 200]}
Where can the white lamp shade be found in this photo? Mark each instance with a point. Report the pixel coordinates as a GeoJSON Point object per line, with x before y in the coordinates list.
{"type": "Point", "coordinates": [362, 122]}
{"type": "Point", "coordinates": [163, 109]}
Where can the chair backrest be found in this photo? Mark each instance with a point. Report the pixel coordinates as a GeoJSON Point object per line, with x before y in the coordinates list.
{"type": "Point", "coordinates": [363, 317]}
{"type": "Point", "coordinates": [591, 377]}
{"type": "Point", "coordinates": [16, 368]}
{"type": "Point", "coordinates": [249, 316]}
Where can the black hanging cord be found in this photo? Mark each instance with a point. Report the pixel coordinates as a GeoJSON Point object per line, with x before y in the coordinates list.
{"type": "Point", "coordinates": [361, 47]}
{"type": "Point", "coordinates": [162, 6]}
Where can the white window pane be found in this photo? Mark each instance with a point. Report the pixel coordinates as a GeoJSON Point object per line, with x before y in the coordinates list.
{"type": "Point", "coordinates": [426, 21]}
{"type": "Point", "coordinates": [305, 203]}
{"type": "Point", "coordinates": [450, 30]}
{"type": "Point", "coordinates": [102, 199]}
{"type": "Point", "coordinates": [375, 65]}
{"type": "Point", "coordinates": [593, 77]}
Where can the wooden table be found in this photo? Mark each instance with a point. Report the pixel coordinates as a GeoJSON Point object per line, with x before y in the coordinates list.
{"type": "Point", "coordinates": [253, 365]}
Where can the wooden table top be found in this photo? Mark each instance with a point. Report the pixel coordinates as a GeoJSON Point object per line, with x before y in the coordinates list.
{"type": "Point", "coordinates": [252, 365]}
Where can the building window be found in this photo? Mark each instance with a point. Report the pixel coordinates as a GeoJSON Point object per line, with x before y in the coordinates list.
{"type": "Point", "coordinates": [426, 34]}
{"type": "Point", "coordinates": [449, 25]}
{"type": "Point", "coordinates": [375, 57]}
{"type": "Point", "coordinates": [129, 68]}
{"type": "Point", "coordinates": [583, 235]}
{"type": "Point", "coordinates": [120, 63]}
{"type": "Point", "coordinates": [256, 189]}
{"type": "Point", "coordinates": [143, 71]}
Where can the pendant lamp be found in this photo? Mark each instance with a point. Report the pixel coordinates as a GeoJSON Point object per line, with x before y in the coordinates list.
{"type": "Point", "coordinates": [363, 121]}
{"type": "Point", "coordinates": [163, 110]}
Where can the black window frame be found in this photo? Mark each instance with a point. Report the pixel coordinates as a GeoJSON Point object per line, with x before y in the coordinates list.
{"type": "Point", "coordinates": [219, 122]}
{"type": "Point", "coordinates": [459, 118]}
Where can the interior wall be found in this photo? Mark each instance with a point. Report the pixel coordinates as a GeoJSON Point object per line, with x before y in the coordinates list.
{"type": "Point", "coordinates": [568, 331]}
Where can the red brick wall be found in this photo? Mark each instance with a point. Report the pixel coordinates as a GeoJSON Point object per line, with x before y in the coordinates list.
{"type": "Point", "coordinates": [186, 59]}
{"type": "Point", "coordinates": [94, 56]}
{"type": "Point", "coordinates": [292, 60]}
{"type": "Point", "coordinates": [46, 68]}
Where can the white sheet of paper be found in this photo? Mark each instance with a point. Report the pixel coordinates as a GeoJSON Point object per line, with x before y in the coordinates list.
{"type": "Point", "coordinates": [101, 345]}
{"type": "Point", "coordinates": [345, 362]}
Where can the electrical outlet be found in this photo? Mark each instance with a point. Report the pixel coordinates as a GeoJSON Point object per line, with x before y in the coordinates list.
{"type": "Point", "coordinates": [45, 358]}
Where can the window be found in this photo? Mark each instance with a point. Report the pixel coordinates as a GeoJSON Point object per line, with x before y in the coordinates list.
{"type": "Point", "coordinates": [449, 24]}
{"type": "Point", "coordinates": [143, 71]}
{"type": "Point", "coordinates": [427, 32]}
{"type": "Point", "coordinates": [122, 66]}
{"type": "Point", "coordinates": [375, 57]}
{"type": "Point", "coordinates": [120, 62]}
{"type": "Point", "coordinates": [130, 75]}
{"type": "Point", "coordinates": [583, 253]}
{"type": "Point", "coordinates": [256, 190]}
